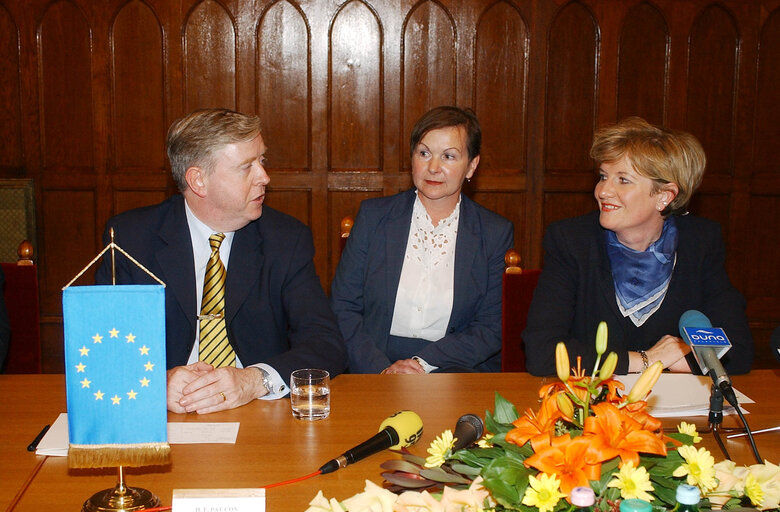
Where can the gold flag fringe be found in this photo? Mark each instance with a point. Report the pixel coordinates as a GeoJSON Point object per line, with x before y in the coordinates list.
{"type": "Point", "coordinates": [113, 455]}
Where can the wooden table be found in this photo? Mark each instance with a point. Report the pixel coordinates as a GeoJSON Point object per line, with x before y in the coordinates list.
{"type": "Point", "coordinates": [272, 446]}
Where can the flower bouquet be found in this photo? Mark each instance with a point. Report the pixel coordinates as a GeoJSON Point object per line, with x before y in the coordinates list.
{"type": "Point", "coordinates": [586, 432]}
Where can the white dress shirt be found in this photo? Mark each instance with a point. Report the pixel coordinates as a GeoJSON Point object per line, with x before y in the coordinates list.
{"type": "Point", "coordinates": [423, 303]}
{"type": "Point", "coordinates": [201, 252]}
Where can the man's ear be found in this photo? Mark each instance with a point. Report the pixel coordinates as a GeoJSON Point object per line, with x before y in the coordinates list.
{"type": "Point", "coordinates": [196, 180]}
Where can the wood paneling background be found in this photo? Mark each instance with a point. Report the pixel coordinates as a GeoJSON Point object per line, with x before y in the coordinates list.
{"type": "Point", "coordinates": [88, 89]}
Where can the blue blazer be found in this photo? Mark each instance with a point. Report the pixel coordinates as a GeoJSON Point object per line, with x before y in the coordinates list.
{"type": "Point", "coordinates": [276, 310]}
{"type": "Point", "coordinates": [364, 289]}
{"type": "Point", "coordinates": [576, 292]}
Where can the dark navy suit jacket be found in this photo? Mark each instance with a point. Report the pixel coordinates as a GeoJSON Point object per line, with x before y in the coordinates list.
{"type": "Point", "coordinates": [576, 292]}
{"type": "Point", "coordinates": [276, 310]}
{"type": "Point", "coordinates": [364, 289]}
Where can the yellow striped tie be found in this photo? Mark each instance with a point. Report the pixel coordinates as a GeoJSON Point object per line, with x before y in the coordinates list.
{"type": "Point", "coordinates": [214, 347]}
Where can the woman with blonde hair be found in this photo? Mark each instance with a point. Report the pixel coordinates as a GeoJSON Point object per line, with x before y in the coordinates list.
{"type": "Point", "coordinates": [638, 263]}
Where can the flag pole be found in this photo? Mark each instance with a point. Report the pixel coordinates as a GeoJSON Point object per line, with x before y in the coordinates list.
{"type": "Point", "coordinates": [121, 498]}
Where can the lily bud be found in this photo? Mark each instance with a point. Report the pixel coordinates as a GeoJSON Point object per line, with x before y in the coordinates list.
{"type": "Point", "coordinates": [601, 338]}
{"type": "Point", "coordinates": [645, 382]}
{"type": "Point", "coordinates": [562, 361]}
{"type": "Point", "coordinates": [565, 405]}
{"type": "Point", "coordinates": [608, 368]}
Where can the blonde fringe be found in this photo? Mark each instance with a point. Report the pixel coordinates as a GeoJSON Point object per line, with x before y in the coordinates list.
{"type": "Point", "coordinates": [113, 455]}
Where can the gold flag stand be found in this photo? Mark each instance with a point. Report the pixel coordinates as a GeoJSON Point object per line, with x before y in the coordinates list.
{"type": "Point", "coordinates": [121, 498]}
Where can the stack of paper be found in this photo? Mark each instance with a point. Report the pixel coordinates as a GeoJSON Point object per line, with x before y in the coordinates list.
{"type": "Point", "coordinates": [681, 395]}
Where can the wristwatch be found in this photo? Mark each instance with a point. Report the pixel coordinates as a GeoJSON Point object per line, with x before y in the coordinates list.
{"type": "Point", "coordinates": [266, 380]}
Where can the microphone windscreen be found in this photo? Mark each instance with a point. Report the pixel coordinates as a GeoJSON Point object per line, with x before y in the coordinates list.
{"type": "Point", "coordinates": [407, 424]}
{"type": "Point", "coordinates": [467, 431]}
{"type": "Point", "coordinates": [692, 318]}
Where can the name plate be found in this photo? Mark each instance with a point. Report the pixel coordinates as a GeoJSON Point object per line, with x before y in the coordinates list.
{"type": "Point", "coordinates": [218, 500]}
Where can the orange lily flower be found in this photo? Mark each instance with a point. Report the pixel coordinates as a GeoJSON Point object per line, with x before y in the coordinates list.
{"type": "Point", "coordinates": [537, 428]}
{"type": "Point", "coordinates": [614, 433]}
{"type": "Point", "coordinates": [638, 411]}
{"type": "Point", "coordinates": [567, 458]}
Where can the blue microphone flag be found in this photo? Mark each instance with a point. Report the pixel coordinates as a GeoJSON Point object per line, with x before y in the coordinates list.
{"type": "Point", "coordinates": [698, 332]}
{"type": "Point", "coordinates": [115, 375]}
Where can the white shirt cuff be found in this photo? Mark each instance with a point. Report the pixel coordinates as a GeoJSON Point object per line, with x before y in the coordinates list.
{"type": "Point", "coordinates": [278, 389]}
{"type": "Point", "coordinates": [427, 367]}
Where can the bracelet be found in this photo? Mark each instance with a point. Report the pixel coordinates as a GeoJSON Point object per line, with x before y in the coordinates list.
{"type": "Point", "coordinates": [645, 362]}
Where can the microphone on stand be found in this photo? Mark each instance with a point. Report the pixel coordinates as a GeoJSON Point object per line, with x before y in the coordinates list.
{"type": "Point", "coordinates": [774, 342]}
{"type": "Point", "coordinates": [697, 332]}
{"type": "Point", "coordinates": [402, 429]}
{"type": "Point", "coordinates": [468, 430]}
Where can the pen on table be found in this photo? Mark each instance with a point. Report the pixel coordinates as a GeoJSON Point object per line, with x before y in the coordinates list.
{"type": "Point", "coordinates": [32, 446]}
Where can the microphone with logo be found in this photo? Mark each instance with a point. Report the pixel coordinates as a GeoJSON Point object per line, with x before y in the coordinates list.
{"type": "Point", "coordinates": [402, 429]}
{"type": "Point", "coordinates": [708, 344]}
{"type": "Point", "coordinates": [468, 430]}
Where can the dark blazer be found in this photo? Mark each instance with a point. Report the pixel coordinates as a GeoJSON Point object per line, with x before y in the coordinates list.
{"type": "Point", "coordinates": [276, 310]}
{"type": "Point", "coordinates": [364, 289]}
{"type": "Point", "coordinates": [5, 327]}
{"type": "Point", "coordinates": [576, 292]}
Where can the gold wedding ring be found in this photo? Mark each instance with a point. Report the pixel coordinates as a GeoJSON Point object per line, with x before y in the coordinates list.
{"type": "Point", "coordinates": [224, 398]}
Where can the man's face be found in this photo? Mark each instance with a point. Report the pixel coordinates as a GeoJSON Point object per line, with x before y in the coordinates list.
{"type": "Point", "coordinates": [235, 188]}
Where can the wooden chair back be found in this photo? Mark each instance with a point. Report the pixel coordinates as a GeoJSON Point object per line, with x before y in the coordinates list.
{"type": "Point", "coordinates": [518, 290]}
{"type": "Point", "coordinates": [21, 302]}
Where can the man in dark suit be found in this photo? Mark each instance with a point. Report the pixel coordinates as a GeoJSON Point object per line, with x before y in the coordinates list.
{"type": "Point", "coordinates": [273, 315]}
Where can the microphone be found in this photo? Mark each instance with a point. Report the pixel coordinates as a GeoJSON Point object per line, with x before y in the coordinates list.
{"type": "Point", "coordinates": [468, 430]}
{"type": "Point", "coordinates": [402, 429]}
{"type": "Point", "coordinates": [774, 342]}
{"type": "Point", "coordinates": [697, 332]}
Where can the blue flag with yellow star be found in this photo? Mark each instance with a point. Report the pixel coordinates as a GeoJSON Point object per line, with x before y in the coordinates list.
{"type": "Point", "coordinates": [115, 375]}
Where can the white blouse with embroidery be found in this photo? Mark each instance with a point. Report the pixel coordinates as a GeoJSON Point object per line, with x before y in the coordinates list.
{"type": "Point", "coordinates": [423, 303]}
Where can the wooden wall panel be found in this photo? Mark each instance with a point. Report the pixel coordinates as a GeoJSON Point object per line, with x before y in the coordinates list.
{"type": "Point", "coordinates": [66, 84]}
{"type": "Point", "coordinates": [429, 66]}
{"type": "Point", "coordinates": [283, 64]}
{"type": "Point", "coordinates": [712, 77]}
{"type": "Point", "coordinates": [10, 98]}
{"type": "Point", "coordinates": [500, 88]}
{"type": "Point", "coordinates": [766, 143]}
{"type": "Point", "coordinates": [139, 124]}
{"type": "Point", "coordinates": [88, 90]}
{"type": "Point", "coordinates": [643, 65]}
{"type": "Point", "coordinates": [571, 89]}
{"type": "Point", "coordinates": [209, 58]}
{"type": "Point", "coordinates": [355, 88]}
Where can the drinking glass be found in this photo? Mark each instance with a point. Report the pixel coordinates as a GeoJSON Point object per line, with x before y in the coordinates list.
{"type": "Point", "coordinates": [310, 394]}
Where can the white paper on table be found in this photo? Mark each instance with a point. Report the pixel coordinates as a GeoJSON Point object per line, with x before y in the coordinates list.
{"type": "Point", "coordinates": [55, 442]}
{"type": "Point", "coordinates": [682, 394]}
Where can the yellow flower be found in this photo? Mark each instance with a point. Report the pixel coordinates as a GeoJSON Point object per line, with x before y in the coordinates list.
{"type": "Point", "coordinates": [543, 493]}
{"type": "Point", "coordinates": [767, 476]}
{"type": "Point", "coordinates": [699, 465]}
{"type": "Point", "coordinates": [608, 368]}
{"type": "Point", "coordinates": [485, 441]}
{"type": "Point", "coordinates": [466, 500]}
{"type": "Point", "coordinates": [633, 482]}
{"type": "Point", "coordinates": [645, 382]}
{"type": "Point", "coordinates": [440, 449]}
{"type": "Point", "coordinates": [690, 429]}
{"type": "Point", "coordinates": [731, 482]}
{"type": "Point", "coordinates": [753, 490]}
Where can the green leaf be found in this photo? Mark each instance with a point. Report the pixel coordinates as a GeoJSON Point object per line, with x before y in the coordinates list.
{"type": "Point", "coordinates": [414, 459]}
{"type": "Point", "coordinates": [403, 480]}
{"type": "Point", "coordinates": [439, 475]}
{"type": "Point", "coordinates": [400, 465]}
{"type": "Point", "coordinates": [467, 470]}
{"type": "Point", "coordinates": [505, 411]}
{"type": "Point", "coordinates": [668, 496]}
{"type": "Point", "coordinates": [683, 438]}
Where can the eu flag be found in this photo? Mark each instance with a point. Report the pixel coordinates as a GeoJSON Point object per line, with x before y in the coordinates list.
{"type": "Point", "coordinates": [115, 375]}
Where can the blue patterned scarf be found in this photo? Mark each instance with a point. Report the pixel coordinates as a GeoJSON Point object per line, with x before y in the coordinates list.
{"type": "Point", "coordinates": [642, 277]}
